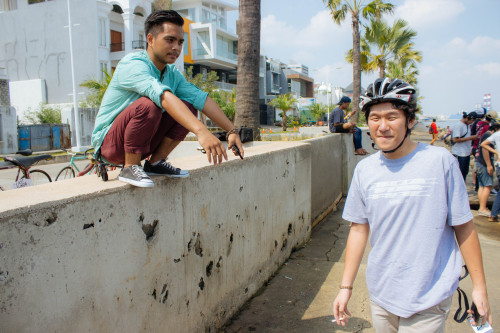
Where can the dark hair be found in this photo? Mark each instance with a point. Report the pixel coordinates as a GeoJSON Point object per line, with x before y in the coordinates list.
{"type": "Point", "coordinates": [154, 22]}
{"type": "Point", "coordinates": [433, 119]}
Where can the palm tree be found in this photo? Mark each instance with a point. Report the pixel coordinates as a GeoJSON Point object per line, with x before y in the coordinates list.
{"type": "Point", "coordinates": [318, 110]}
{"type": "Point", "coordinates": [285, 103]}
{"type": "Point", "coordinates": [339, 10]}
{"type": "Point", "coordinates": [97, 88]}
{"type": "Point", "coordinates": [392, 43]}
{"type": "Point", "coordinates": [247, 88]}
{"type": "Point", "coordinates": [402, 70]}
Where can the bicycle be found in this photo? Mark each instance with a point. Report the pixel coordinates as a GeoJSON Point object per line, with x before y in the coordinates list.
{"type": "Point", "coordinates": [24, 163]}
{"type": "Point", "coordinates": [68, 171]}
{"type": "Point", "coordinates": [98, 167]}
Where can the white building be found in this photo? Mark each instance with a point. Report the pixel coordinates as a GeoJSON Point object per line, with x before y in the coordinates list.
{"type": "Point", "coordinates": [35, 49]}
{"type": "Point", "coordinates": [210, 43]}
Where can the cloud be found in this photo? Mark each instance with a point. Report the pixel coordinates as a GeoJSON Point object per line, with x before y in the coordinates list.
{"type": "Point", "coordinates": [480, 46]}
{"type": "Point", "coordinates": [320, 31]}
{"type": "Point", "coordinates": [492, 68]}
{"type": "Point", "coordinates": [428, 13]}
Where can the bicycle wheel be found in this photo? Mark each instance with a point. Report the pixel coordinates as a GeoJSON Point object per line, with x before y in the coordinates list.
{"type": "Point", "coordinates": [65, 173]}
{"type": "Point", "coordinates": [39, 177]}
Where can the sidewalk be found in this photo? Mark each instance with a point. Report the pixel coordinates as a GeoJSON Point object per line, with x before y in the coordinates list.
{"type": "Point", "coordinates": [299, 297]}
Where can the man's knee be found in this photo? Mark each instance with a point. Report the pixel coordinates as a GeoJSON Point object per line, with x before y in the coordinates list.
{"type": "Point", "coordinates": [148, 109]}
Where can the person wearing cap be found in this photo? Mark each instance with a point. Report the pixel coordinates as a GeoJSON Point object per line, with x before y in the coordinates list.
{"type": "Point", "coordinates": [462, 142]}
{"type": "Point", "coordinates": [337, 123]}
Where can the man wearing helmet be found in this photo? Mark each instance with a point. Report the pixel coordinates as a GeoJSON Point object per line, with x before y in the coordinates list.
{"type": "Point", "coordinates": [409, 198]}
{"type": "Point", "coordinates": [337, 124]}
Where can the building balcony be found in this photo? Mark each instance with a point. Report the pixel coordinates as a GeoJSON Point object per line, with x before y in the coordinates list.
{"type": "Point", "coordinates": [225, 85]}
{"type": "Point", "coordinates": [224, 60]}
{"type": "Point", "coordinates": [116, 47]}
{"type": "Point", "coordinates": [139, 44]}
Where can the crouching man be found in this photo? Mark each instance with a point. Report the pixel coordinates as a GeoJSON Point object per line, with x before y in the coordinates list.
{"type": "Point", "coordinates": [149, 108]}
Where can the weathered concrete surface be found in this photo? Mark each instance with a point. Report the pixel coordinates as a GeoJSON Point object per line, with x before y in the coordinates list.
{"type": "Point", "coordinates": [299, 297]}
{"type": "Point", "coordinates": [85, 255]}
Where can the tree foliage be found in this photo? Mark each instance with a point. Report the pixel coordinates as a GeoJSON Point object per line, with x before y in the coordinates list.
{"type": "Point", "coordinates": [97, 90]}
{"type": "Point", "coordinates": [391, 43]}
{"type": "Point", "coordinates": [318, 110]}
{"type": "Point", "coordinates": [204, 82]}
{"type": "Point", "coordinates": [285, 103]}
{"type": "Point", "coordinates": [226, 101]}
{"type": "Point", "coordinates": [161, 5]}
{"type": "Point", "coordinates": [339, 10]}
{"type": "Point", "coordinates": [44, 114]}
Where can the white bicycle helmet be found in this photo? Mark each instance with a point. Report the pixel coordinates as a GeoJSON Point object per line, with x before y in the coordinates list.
{"type": "Point", "coordinates": [384, 90]}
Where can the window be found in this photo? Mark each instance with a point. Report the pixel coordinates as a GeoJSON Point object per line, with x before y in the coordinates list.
{"type": "Point", "coordinates": [31, 2]}
{"type": "Point", "coordinates": [6, 5]}
{"type": "Point", "coordinates": [103, 69]}
{"type": "Point", "coordinates": [185, 46]}
{"type": "Point", "coordinates": [102, 31]}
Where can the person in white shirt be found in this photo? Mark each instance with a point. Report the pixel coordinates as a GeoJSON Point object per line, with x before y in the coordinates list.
{"type": "Point", "coordinates": [462, 142]}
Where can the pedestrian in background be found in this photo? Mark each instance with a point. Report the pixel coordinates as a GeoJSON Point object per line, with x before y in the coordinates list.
{"type": "Point", "coordinates": [337, 124]}
{"type": "Point", "coordinates": [484, 169]}
{"type": "Point", "coordinates": [433, 130]}
{"type": "Point", "coordinates": [462, 139]}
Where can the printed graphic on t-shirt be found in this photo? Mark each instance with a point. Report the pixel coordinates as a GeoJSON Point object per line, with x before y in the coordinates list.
{"type": "Point", "coordinates": [398, 189]}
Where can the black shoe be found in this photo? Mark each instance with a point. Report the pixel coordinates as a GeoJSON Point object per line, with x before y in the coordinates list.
{"type": "Point", "coordinates": [164, 168]}
{"type": "Point", "coordinates": [136, 176]}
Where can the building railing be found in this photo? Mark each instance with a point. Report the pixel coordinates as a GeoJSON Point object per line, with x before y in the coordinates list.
{"type": "Point", "coordinates": [200, 52]}
{"type": "Point", "coordinates": [225, 85]}
{"type": "Point", "coordinates": [139, 44]}
{"type": "Point", "coordinates": [116, 47]}
{"type": "Point", "coordinates": [228, 55]}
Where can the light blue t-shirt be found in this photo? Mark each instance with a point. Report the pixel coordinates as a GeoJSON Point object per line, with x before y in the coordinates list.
{"type": "Point", "coordinates": [136, 76]}
{"type": "Point", "coordinates": [411, 204]}
{"type": "Point", "coordinates": [461, 130]}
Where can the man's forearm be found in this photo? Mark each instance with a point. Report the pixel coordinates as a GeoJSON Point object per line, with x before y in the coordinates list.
{"type": "Point", "coordinates": [179, 111]}
{"type": "Point", "coordinates": [468, 242]}
{"type": "Point", "coordinates": [486, 157]}
{"type": "Point", "coordinates": [214, 112]}
{"type": "Point", "coordinates": [355, 248]}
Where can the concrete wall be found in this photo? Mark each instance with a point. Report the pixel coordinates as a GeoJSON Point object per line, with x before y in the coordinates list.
{"type": "Point", "coordinates": [85, 255]}
{"type": "Point", "coordinates": [8, 130]}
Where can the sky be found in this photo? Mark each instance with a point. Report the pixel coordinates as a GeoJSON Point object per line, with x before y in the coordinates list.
{"type": "Point", "coordinates": [458, 39]}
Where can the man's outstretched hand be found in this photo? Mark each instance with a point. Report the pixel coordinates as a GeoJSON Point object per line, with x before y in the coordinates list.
{"type": "Point", "coordinates": [214, 148]}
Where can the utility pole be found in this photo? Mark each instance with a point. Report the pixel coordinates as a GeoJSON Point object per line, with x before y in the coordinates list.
{"type": "Point", "coordinates": [78, 147]}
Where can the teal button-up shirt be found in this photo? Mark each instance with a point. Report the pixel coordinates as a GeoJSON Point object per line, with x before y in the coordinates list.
{"type": "Point", "coordinates": [136, 76]}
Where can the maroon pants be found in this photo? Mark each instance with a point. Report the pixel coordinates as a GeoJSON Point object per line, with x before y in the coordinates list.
{"type": "Point", "coordinates": [139, 129]}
